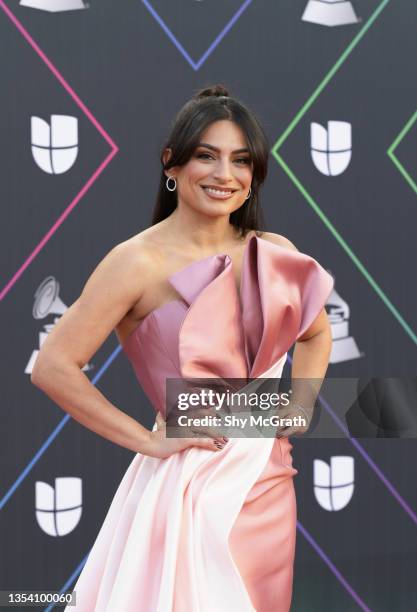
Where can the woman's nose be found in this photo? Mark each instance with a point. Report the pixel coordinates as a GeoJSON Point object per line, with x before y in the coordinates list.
{"type": "Point", "coordinates": [223, 170]}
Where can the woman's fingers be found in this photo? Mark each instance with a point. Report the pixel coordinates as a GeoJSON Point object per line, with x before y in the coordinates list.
{"type": "Point", "coordinates": [206, 432]}
{"type": "Point", "coordinates": [207, 443]}
{"type": "Point", "coordinates": [212, 430]}
{"type": "Point", "coordinates": [286, 432]}
{"type": "Point", "coordinates": [282, 432]}
{"type": "Point", "coordinates": [197, 427]}
{"type": "Point", "coordinates": [222, 440]}
{"type": "Point", "coordinates": [210, 437]}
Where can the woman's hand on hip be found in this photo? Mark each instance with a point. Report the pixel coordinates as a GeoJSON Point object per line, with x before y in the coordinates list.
{"type": "Point", "coordinates": [160, 446]}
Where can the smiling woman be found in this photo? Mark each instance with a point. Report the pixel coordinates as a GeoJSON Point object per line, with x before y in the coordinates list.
{"type": "Point", "coordinates": [223, 174]}
{"type": "Point", "coordinates": [197, 523]}
{"type": "Point", "coordinates": [217, 145]}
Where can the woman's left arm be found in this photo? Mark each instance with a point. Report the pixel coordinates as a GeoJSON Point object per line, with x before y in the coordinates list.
{"type": "Point", "coordinates": [312, 350]}
{"type": "Point", "coordinates": [309, 365]}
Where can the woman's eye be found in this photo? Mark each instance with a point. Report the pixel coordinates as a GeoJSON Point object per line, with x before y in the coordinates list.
{"type": "Point", "coordinates": [240, 160]}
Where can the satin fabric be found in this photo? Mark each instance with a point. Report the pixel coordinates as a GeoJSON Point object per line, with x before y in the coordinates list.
{"type": "Point", "coordinates": [205, 531]}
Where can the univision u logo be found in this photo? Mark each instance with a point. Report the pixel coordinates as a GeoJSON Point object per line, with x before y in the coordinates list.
{"type": "Point", "coordinates": [331, 148]}
{"type": "Point", "coordinates": [334, 484]}
{"type": "Point", "coordinates": [54, 146]}
{"type": "Point", "coordinates": [58, 510]}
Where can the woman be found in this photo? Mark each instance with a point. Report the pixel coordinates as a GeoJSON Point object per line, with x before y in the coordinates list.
{"type": "Point", "coordinates": [198, 523]}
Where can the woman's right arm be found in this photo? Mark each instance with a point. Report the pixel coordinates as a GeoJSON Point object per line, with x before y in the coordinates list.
{"type": "Point", "coordinates": [111, 291]}
{"type": "Point", "coordinates": [113, 288]}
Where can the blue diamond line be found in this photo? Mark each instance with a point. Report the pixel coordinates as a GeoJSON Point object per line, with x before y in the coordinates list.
{"type": "Point", "coordinates": [180, 47]}
{"type": "Point", "coordinates": [54, 434]}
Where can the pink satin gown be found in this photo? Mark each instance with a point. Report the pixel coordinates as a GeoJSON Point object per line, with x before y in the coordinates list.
{"type": "Point", "coordinates": [205, 531]}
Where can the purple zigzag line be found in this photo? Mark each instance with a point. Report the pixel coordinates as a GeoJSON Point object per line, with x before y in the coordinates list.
{"type": "Point", "coordinates": [193, 64]}
{"type": "Point", "coordinates": [93, 120]}
{"type": "Point", "coordinates": [332, 567]}
{"type": "Point", "coordinates": [388, 484]}
{"type": "Point", "coordinates": [371, 463]}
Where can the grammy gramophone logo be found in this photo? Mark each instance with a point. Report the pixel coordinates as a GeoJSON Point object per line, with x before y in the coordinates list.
{"type": "Point", "coordinates": [330, 12]}
{"type": "Point", "coordinates": [55, 6]}
{"type": "Point", "coordinates": [47, 302]}
{"type": "Point", "coordinates": [344, 347]}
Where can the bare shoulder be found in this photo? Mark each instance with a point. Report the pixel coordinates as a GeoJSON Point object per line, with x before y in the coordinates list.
{"type": "Point", "coordinates": [142, 250]}
{"type": "Point", "coordinates": [109, 293]}
{"type": "Point", "coordinates": [123, 273]}
{"type": "Point", "coordinates": [279, 240]}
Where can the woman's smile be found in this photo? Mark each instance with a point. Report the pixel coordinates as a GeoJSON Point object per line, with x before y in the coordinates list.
{"type": "Point", "coordinates": [218, 193]}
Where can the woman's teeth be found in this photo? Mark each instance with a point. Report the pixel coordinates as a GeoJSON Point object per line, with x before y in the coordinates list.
{"type": "Point", "coordinates": [218, 193]}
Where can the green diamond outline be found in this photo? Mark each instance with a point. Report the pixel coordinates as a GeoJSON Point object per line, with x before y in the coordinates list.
{"type": "Point", "coordinates": [290, 128]}
{"type": "Point", "coordinates": [397, 141]}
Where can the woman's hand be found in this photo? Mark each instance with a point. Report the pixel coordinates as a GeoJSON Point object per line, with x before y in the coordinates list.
{"type": "Point", "coordinates": [289, 412]}
{"type": "Point", "coordinates": [160, 446]}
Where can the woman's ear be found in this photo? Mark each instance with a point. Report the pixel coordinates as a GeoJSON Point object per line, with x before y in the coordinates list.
{"type": "Point", "coordinates": [166, 156]}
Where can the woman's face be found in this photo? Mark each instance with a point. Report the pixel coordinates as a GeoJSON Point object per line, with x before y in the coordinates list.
{"type": "Point", "coordinates": [218, 176]}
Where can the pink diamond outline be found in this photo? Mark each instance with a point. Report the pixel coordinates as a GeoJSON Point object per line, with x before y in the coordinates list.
{"type": "Point", "coordinates": [113, 150]}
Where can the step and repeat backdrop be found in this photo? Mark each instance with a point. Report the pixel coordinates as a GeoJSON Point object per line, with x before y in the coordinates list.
{"type": "Point", "coordinates": [88, 92]}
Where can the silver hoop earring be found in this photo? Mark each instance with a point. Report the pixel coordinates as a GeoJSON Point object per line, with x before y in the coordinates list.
{"type": "Point", "coordinates": [171, 178]}
{"type": "Point", "coordinates": [248, 196]}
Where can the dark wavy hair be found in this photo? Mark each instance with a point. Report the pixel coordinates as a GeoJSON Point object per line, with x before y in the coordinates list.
{"type": "Point", "coordinates": [206, 106]}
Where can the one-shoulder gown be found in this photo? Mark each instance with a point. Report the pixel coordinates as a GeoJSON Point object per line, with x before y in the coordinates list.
{"type": "Point", "coordinates": [204, 531]}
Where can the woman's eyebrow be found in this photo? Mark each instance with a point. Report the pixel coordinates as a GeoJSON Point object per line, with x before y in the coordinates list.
{"type": "Point", "coordinates": [209, 146]}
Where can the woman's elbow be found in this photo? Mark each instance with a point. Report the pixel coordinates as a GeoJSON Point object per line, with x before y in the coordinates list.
{"type": "Point", "coordinates": [43, 368]}
{"type": "Point", "coordinates": [39, 371]}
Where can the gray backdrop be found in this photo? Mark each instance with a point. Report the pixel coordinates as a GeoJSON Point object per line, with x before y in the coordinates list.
{"type": "Point", "coordinates": [123, 70]}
